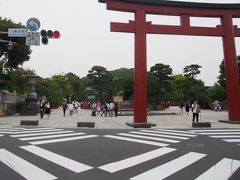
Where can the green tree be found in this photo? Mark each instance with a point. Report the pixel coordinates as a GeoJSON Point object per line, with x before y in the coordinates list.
{"type": "Point", "coordinates": [101, 80]}
{"type": "Point", "coordinates": [192, 70]}
{"type": "Point", "coordinates": [123, 82]}
{"type": "Point", "coordinates": [20, 52]}
{"type": "Point", "coordinates": [159, 82]}
{"type": "Point", "coordinates": [222, 76]}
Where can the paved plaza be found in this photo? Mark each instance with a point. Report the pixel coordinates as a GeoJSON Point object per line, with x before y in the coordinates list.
{"type": "Point", "coordinates": [162, 119]}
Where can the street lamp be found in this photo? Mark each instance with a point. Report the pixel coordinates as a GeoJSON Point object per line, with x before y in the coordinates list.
{"type": "Point", "coordinates": [4, 56]}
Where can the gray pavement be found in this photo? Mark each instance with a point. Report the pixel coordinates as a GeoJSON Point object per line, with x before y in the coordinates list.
{"type": "Point", "coordinates": [163, 121]}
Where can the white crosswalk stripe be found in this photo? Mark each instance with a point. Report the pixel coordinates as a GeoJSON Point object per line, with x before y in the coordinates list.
{"type": "Point", "coordinates": [148, 137]}
{"type": "Point", "coordinates": [221, 171]}
{"type": "Point", "coordinates": [51, 136]}
{"type": "Point", "coordinates": [159, 135]}
{"type": "Point", "coordinates": [24, 168]}
{"type": "Point", "coordinates": [136, 140]}
{"type": "Point", "coordinates": [40, 134]}
{"type": "Point", "coordinates": [62, 139]}
{"type": "Point", "coordinates": [55, 158]}
{"type": "Point", "coordinates": [164, 136]}
{"type": "Point", "coordinates": [227, 135]}
{"type": "Point", "coordinates": [37, 130]}
{"type": "Point", "coordinates": [170, 168]}
{"type": "Point", "coordinates": [129, 162]}
{"type": "Point", "coordinates": [171, 132]}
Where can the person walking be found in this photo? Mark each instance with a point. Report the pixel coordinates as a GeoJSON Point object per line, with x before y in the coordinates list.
{"type": "Point", "coordinates": [116, 109]}
{"type": "Point", "coordinates": [98, 106]}
{"type": "Point", "coordinates": [47, 109]}
{"type": "Point", "coordinates": [187, 107]}
{"type": "Point", "coordinates": [41, 108]}
{"type": "Point", "coordinates": [196, 110]}
{"type": "Point", "coordinates": [64, 106]}
{"type": "Point", "coordinates": [71, 108]}
{"type": "Point", "coordinates": [181, 105]}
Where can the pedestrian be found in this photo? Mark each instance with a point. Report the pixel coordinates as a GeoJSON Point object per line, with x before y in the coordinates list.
{"type": "Point", "coordinates": [71, 108]}
{"type": "Point", "coordinates": [111, 108]}
{"type": "Point", "coordinates": [187, 107]}
{"type": "Point", "coordinates": [98, 106]}
{"type": "Point", "coordinates": [181, 105]}
{"type": "Point", "coordinates": [196, 110]}
{"type": "Point", "coordinates": [41, 108]}
{"type": "Point", "coordinates": [116, 109]}
{"type": "Point", "coordinates": [94, 109]}
{"type": "Point", "coordinates": [64, 106]}
{"type": "Point", "coordinates": [47, 109]}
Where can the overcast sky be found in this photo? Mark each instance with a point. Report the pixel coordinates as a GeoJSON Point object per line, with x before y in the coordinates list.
{"type": "Point", "coordinates": [86, 39]}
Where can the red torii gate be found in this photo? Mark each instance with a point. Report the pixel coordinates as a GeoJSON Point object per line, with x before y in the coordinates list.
{"type": "Point", "coordinates": [185, 10]}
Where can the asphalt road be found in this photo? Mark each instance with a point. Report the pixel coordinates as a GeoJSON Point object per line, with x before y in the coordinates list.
{"type": "Point", "coordinates": [137, 154]}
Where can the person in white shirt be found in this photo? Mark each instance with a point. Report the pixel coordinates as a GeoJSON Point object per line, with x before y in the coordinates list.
{"type": "Point", "coordinates": [196, 111]}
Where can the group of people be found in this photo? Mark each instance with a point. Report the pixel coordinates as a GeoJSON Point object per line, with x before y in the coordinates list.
{"type": "Point", "coordinates": [44, 108]}
{"type": "Point", "coordinates": [195, 107]}
{"type": "Point", "coordinates": [71, 106]}
{"type": "Point", "coordinates": [108, 109]}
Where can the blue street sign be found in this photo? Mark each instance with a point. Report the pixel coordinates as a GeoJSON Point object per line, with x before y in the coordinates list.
{"type": "Point", "coordinates": [33, 24]}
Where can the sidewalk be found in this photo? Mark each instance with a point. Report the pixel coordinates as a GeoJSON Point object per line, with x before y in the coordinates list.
{"type": "Point", "coordinates": [57, 120]}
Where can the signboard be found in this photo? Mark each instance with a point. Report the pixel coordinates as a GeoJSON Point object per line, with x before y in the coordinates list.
{"type": "Point", "coordinates": [17, 32]}
{"type": "Point", "coordinates": [33, 24]}
{"type": "Point", "coordinates": [118, 99]}
{"type": "Point", "coordinates": [33, 38]}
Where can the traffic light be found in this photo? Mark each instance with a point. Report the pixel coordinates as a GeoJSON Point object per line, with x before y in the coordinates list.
{"type": "Point", "coordinates": [49, 34]}
{"type": "Point", "coordinates": [44, 37]}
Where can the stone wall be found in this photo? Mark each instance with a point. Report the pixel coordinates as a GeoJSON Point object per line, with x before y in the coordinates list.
{"type": "Point", "coordinates": [9, 102]}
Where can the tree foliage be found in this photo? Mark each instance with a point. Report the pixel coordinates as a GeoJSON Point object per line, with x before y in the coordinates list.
{"type": "Point", "coordinates": [222, 75]}
{"type": "Point", "coordinates": [20, 52]}
{"type": "Point", "coordinates": [192, 70]}
{"type": "Point", "coordinates": [101, 80]}
{"type": "Point", "coordinates": [60, 87]}
{"type": "Point", "coordinates": [159, 79]}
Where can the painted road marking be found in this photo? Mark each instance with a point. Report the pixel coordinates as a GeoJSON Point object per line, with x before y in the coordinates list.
{"type": "Point", "coordinates": [176, 131]}
{"type": "Point", "coordinates": [24, 168]}
{"type": "Point", "coordinates": [39, 134]}
{"type": "Point", "coordinates": [171, 133]}
{"type": "Point", "coordinates": [159, 135]}
{"type": "Point", "coordinates": [170, 168]}
{"type": "Point", "coordinates": [136, 140]}
{"type": "Point", "coordinates": [129, 162]}
{"type": "Point", "coordinates": [51, 136]}
{"type": "Point", "coordinates": [151, 138]}
{"type": "Point", "coordinates": [60, 160]}
{"type": "Point", "coordinates": [62, 139]}
{"type": "Point", "coordinates": [214, 130]}
{"type": "Point", "coordinates": [31, 131]}
{"type": "Point", "coordinates": [231, 140]}
{"type": "Point", "coordinates": [221, 171]}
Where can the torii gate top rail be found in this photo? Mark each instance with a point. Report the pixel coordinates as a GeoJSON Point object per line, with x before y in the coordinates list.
{"type": "Point", "coordinates": [216, 7]}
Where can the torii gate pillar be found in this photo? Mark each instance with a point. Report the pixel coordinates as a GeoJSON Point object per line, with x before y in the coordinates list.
{"type": "Point", "coordinates": [140, 70]}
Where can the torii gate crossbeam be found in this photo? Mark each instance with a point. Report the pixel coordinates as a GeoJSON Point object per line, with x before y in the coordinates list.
{"type": "Point", "coordinates": [185, 10]}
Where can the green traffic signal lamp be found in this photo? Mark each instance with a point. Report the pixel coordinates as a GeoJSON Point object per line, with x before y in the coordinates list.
{"type": "Point", "coordinates": [43, 33]}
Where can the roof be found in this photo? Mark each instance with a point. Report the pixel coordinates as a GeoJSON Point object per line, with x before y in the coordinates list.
{"type": "Point", "coordinates": [183, 4]}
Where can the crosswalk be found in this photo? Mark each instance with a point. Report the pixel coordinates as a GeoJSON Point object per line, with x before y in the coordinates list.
{"type": "Point", "coordinates": [37, 136]}
{"type": "Point", "coordinates": [227, 135]}
{"type": "Point", "coordinates": [167, 160]}
{"type": "Point", "coordinates": [160, 138]}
